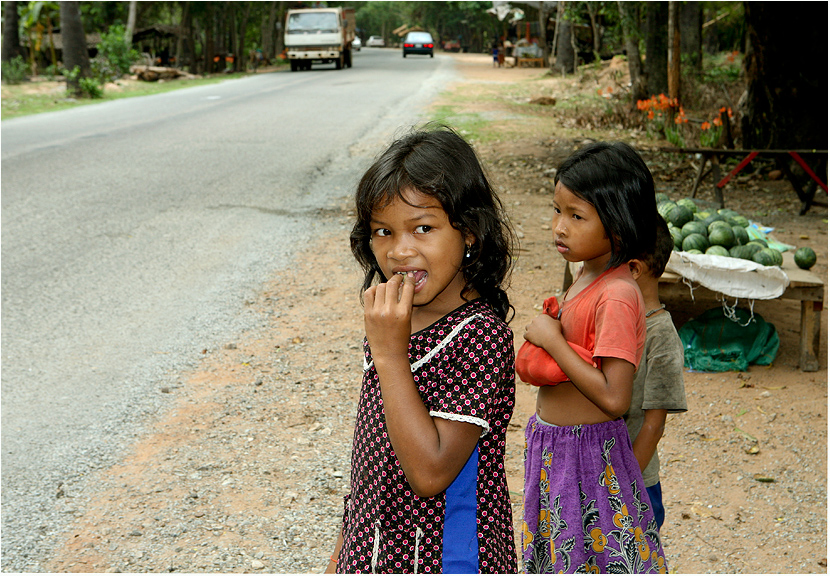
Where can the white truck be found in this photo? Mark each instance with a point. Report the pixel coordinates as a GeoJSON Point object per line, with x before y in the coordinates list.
{"type": "Point", "coordinates": [321, 35]}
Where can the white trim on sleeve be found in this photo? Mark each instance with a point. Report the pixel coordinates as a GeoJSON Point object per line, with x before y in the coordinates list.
{"type": "Point", "coordinates": [483, 424]}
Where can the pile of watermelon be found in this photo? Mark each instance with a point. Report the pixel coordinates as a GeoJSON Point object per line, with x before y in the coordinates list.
{"type": "Point", "coordinates": [722, 233]}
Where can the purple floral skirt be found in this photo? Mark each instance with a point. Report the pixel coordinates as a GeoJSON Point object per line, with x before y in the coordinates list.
{"type": "Point", "coordinates": [585, 504]}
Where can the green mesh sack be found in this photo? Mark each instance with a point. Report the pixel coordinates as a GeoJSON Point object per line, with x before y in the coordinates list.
{"type": "Point", "coordinates": [714, 342]}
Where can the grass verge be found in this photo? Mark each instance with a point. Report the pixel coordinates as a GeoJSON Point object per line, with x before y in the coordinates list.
{"type": "Point", "coordinates": [38, 97]}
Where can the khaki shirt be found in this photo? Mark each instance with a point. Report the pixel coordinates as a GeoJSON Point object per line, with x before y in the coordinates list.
{"type": "Point", "coordinates": [658, 382]}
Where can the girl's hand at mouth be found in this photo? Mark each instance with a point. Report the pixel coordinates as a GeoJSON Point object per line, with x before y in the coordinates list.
{"type": "Point", "coordinates": [388, 316]}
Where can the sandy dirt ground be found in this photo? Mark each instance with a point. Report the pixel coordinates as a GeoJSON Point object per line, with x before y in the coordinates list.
{"type": "Point", "coordinates": [247, 471]}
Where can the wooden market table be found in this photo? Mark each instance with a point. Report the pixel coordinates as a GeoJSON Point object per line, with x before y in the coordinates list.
{"type": "Point", "coordinates": [714, 157]}
{"type": "Point", "coordinates": [804, 286]}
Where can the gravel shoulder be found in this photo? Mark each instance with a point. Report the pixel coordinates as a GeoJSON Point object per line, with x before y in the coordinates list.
{"type": "Point", "coordinates": [247, 471]}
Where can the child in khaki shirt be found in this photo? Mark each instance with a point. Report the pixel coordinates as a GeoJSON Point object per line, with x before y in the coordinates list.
{"type": "Point", "coordinates": [658, 383]}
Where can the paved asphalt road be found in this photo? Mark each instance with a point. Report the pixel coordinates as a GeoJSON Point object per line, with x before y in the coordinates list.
{"type": "Point", "coordinates": [132, 233]}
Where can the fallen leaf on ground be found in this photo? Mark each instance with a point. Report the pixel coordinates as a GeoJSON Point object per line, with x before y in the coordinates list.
{"type": "Point", "coordinates": [762, 478]}
{"type": "Point", "coordinates": [746, 435]}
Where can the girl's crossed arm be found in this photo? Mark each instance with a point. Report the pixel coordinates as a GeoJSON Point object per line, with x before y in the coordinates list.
{"type": "Point", "coordinates": [609, 388]}
{"type": "Point", "coordinates": [432, 451]}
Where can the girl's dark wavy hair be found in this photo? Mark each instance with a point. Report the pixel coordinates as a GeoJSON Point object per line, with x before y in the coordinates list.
{"type": "Point", "coordinates": [614, 179]}
{"type": "Point", "coordinates": [436, 161]}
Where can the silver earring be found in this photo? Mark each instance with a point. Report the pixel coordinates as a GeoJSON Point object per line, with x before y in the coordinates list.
{"type": "Point", "coordinates": [467, 254]}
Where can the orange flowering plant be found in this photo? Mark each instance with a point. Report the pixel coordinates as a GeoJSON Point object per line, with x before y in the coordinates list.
{"type": "Point", "coordinates": [666, 115]}
{"type": "Point", "coordinates": [710, 132]}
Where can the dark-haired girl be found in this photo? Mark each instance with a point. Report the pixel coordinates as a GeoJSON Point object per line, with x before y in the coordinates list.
{"type": "Point", "coordinates": [428, 488]}
{"type": "Point", "coordinates": [585, 503]}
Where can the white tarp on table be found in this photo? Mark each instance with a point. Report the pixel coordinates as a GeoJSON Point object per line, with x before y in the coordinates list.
{"type": "Point", "coordinates": [730, 276]}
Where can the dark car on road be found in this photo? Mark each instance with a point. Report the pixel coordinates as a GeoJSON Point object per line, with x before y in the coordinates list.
{"type": "Point", "coordinates": [418, 43]}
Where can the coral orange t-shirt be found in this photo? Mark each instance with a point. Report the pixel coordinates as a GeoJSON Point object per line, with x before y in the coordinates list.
{"type": "Point", "coordinates": [605, 320]}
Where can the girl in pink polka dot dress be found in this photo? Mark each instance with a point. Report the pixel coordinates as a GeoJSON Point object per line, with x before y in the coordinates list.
{"type": "Point", "coordinates": [428, 487]}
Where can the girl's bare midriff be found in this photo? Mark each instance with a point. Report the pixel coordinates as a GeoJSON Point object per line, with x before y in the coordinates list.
{"type": "Point", "coordinates": [565, 405]}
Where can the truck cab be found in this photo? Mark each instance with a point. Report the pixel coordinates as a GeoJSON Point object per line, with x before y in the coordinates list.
{"type": "Point", "coordinates": [322, 35]}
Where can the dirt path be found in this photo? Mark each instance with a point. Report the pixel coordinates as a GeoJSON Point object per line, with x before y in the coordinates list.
{"type": "Point", "coordinates": [247, 471]}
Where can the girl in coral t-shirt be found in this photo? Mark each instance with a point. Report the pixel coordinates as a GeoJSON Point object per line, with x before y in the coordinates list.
{"type": "Point", "coordinates": [585, 503]}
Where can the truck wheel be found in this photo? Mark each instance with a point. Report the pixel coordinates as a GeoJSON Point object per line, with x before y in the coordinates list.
{"type": "Point", "coordinates": [338, 64]}
{"type": "Point", "coordinates": [348, 58]}
{"type": "Point", "coordinates": [293, 65]}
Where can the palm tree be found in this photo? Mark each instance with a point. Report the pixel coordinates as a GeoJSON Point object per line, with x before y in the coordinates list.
{"type": "Point", "coordinates": [11, 32]}
{"type": "Point", "coordinates": [75, 52]}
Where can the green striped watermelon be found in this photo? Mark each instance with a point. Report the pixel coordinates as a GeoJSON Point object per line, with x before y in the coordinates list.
{"type": "Point", "coordinates": [805, 257]}
{"type": "Point", "coordinates": [741, 235]}
{"type": "Point", "coordinates": [721, 236]}
{"type": "Point", "coordinates": [717, 251]}
{"type": "Point", "coordinates": [695, 226]}
{"type": "Point", "coordinates": [688, 203]}
{"type": "Point", "coordinates": [765, 257]}
{"type": "Point", "coordinates": [677, 237]}
{"type": "Point", "coordinates": [695, 242]}
{"type": "Point", "coordinates": [680, 215]}
{"type": "Point", "coordinates": [743, 252]}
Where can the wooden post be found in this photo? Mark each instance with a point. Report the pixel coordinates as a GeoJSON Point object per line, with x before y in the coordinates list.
{"type": "Point", "coordinates": [674, 50]}
{"type": "Point", "coordinates": [809, 338]}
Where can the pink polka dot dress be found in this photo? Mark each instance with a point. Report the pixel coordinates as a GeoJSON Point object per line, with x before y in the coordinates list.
{"type": "Point", "coordinates": [463, 366]}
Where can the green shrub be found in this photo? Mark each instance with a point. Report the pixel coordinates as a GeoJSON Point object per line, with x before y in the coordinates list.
{"type": "Point", "coordinates": [91, 87]}
{"type": "Point", "coordinates": [51, 71]}
{"type": "Point", "coordinates": [14, 71]}
{"type": "Point", "coordinates": [115, 55]}
{"type": "Point", "coordinates": [103, 70]}
{"type": "Point", "coordinates": [87, 87]}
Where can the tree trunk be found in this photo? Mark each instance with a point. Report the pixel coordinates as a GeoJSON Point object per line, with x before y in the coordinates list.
{"type": "Point", "coordinates": [183, 32]}
{"type": "Point", "coordinates": [656, 68]}
{"type": "Point", "coordinates": [74, 44]}
{"type": "Point", "coordinates": [556, 32]}
{"type": "Point", "coordinates": [231, 24]}
{"type": "Point", "coordinates": [11, 32]}
{"type": "Point", "coordinates": [280, 29]}
{"type": "Point", "coordinates": [710, 31]}
{"type": "Point", "coordinates": [691, 37]}
{"type": "Point", "coordinates": [52, 45]}
{"type": "Point", "coordinates": [543, 27]}
{"type": "Point", "coordinates": [128, 33]}
{"type": "Point", "coordinates": [240, 60]}
{"type": "Point", "coordinates": [629, 17]}
{"type": "Point", "coordinates": [270, 32]}
{"type": "Point", "coordinates": [674, 50]}
{"type": "Point", "coordinates": [209, 49]}
{"type": "Point", "coordinates": [596, 34]}
{"type": "Point", "coordinates": [190, 38]}
{"type": "Point", "coordinates": [786, 91]}
{"type": "Point", "coordinates": [565, 54]}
